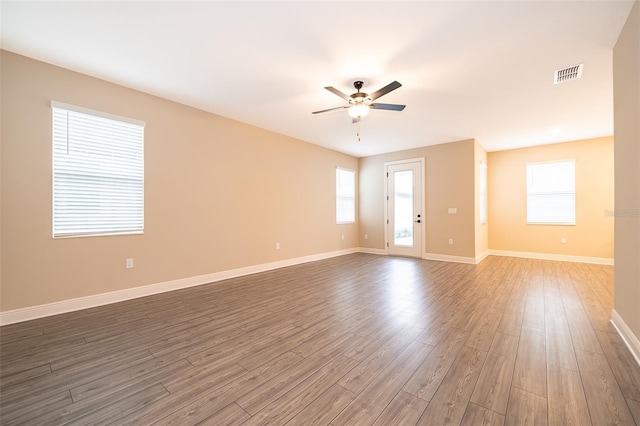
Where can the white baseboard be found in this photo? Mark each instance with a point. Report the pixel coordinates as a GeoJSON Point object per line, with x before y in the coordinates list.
{"type": "Point", "coordinates": [549, 256]}
{"type": "Point", "coordinates": [368, 250]}
{"type": "Point", "coordinates": [432, 256]}
{"type": "Point", "coordinates": [482, 257]}
{"type": "Point", "coordinates": [449, 258]}
{"type": "Point", "coordinates": [64, 306]}
{"type": "Point", "coordinates": [627, 335]}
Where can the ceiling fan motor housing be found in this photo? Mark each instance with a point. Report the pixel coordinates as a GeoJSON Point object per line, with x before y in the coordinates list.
{"type": "Point", "coordinates": [359, 97]}
{"type": "Point", "coordinates": [361, 102]}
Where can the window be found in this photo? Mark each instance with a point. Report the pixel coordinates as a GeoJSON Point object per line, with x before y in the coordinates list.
{"type": "Point", "coordinates": [345, 196]}
{"type": "Point", "coordinates": [483, 193]}
{"type": "Point", "coordinates": [551, 193]}
{"type": "Point", "coordinates": [98, 173]}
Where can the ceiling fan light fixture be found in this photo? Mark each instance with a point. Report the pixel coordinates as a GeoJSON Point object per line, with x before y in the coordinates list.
{"type": "Point", "coordinates": [360, 103]}
{"type": "Point", "coordinates": [358, 110]}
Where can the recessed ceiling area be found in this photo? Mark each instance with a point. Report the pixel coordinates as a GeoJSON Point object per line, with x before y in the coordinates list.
{"type": "Point", "coordinates": [476, 69]}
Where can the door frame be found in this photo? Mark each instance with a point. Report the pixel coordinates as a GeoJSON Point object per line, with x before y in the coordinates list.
{"type": "Point", "coordinates": [423, 228]}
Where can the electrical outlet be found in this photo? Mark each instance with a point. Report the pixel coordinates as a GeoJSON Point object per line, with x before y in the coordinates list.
{"type": "Point", "coordinates": [277, 246]}
{"type": "Point", "coordinates": [563, 240]}
{"type": "Point", "coordinates": [450, 241]}
{"type": "Point", "coordinates": [453, 210]}
{"type": "Point", "coordinates": [342, 237]}
{"type": "Point", "coordinates": [129, 263]}
{"type": "Point", "coordinates": [366, 237]}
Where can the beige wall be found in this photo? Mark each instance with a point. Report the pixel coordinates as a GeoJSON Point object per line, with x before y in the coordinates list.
{"type": "Point", "coordinates": [626, 84]}
{"type": "Point", "coordinates": [449, 182]}
{"type": "Point", "coordinates": [218, 193]}
{"type": "Point", "coordinates": [592, 236]}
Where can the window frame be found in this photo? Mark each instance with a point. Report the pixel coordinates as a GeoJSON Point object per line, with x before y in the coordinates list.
{"type": "Point", "coordinates": [341, 220]}
{"type": "Point", "coordinates": [528, 172]}
{"type": "Point", "coordinates": [96, 173]}
{"type": "Point", "coordinates": [484, 207]}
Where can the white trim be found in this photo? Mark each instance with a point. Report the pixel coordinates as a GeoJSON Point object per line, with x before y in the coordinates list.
{"type": "Point", "coordinates": [432, 256]}
{"type": "Point", "coordinates": [83, 110]}
{"type": "Point", "coordinates": [423, 215]}
{"type": "Point", "coordinates": [564, 160]}
{"type": "Point", "coordinates": [408, 160]}
{"type": "Point", "coordinates": [550, 256]}
{"type": "Point", "coordinates": [64, 306]}
{"type": "Point", "coordinates": [449, 258]}
{"type": "Point", "coordinates": [483, 173]}
{"type": "Point", "coordinates": [381, 252]}
{"type": "Point", "coordinates": [627, 335]}
{"type": "Point", "coordinates": [355, 194]}
{"type": "Point", "coordinates": [482, 257]}
{"type": "Point", "coordinates": [531, 192]}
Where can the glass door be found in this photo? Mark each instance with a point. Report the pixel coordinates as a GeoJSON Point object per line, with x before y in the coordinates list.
{"type": "Point", "coordinates": [404, 209]}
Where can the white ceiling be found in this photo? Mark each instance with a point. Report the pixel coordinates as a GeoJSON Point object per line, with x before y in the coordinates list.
{"type": "Point", "coordinates": [476, 69]}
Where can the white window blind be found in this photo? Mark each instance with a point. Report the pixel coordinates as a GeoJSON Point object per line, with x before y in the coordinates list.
{"type": "Point", "coordinates": [483, 193]}
{"type": "Point", "coordinates": [551, 193]}
{"type": "Point", "coordinates": [98, 173]}
{"type": "Point", "coordinates": [345, 196]}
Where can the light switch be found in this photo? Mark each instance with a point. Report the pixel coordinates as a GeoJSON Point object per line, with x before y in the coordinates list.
{"type": "Point", "coordinates": [453, 210]}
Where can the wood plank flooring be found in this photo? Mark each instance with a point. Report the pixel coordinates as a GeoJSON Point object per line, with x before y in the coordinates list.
{"type": "Point", "coordinates": [353, 340]}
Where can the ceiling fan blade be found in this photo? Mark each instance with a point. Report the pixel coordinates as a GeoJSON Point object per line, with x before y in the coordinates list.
{"type": "Point", "coordinates": [390, 107]}
{"type": "Point", "coordinates": [330, 109]}
{"type": "Point", "coordinates": [386, 89]}
{"type": "Point", "coordinates": [355, 120]}
{"type": "Point", "coordinates": [339, 93]}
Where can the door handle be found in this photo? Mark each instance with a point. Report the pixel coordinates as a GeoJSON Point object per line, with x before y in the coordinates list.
{"type": "Point", "coordinates": [417, 221]}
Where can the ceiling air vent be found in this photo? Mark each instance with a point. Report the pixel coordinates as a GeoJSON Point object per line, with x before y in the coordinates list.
{"type": "Point", "coordinates": [569, 73]}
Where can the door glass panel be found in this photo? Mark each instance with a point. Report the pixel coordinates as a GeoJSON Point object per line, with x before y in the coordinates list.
{"type": "Point", "coordinates": [403, 208]}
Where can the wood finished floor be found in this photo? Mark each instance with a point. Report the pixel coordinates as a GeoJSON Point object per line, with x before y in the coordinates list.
{"type": "Point", "coordinates": [354, 340]}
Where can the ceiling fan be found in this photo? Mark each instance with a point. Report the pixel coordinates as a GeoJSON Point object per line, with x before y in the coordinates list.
{"type": "Point", "coordinates": [360, 102]}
